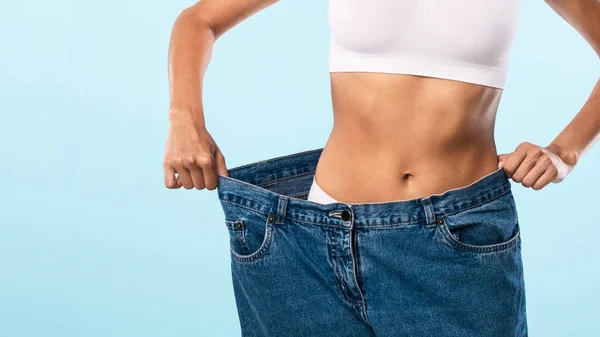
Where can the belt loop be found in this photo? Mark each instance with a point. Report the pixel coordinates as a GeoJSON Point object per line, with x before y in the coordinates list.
{"type": "Point", "coordinates": [429, 211]}
{"type": "Point", "coordinates": [281, 210]}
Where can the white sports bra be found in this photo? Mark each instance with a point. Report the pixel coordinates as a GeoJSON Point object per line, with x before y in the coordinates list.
{"type": "Point", "coordinates": [463, 40]}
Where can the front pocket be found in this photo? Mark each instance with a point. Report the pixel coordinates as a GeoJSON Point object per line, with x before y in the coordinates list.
{"type": "Point", "coordinates": [237, 237]}
{"type": "Point", "coordinates": [456, 239]}
{"type": "Point", "coordinates": [250, 235]}
{"type": "Point", "coordinates": [488, 227]}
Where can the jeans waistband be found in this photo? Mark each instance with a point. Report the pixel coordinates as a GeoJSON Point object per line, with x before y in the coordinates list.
{"type": "Point", "coordinates": [279, 186]}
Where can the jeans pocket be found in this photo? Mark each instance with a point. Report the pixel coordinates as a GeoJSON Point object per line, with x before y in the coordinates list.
{"type": "Point", "coordinates": [488, 227]}
{"type": "Point", "coordinates": [250, 234]}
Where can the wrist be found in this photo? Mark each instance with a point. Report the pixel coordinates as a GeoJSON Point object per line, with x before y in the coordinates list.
{"type": "Point", "coordinates": [568, 156]}
{"type": "Point", "coordinates": [193, 116]}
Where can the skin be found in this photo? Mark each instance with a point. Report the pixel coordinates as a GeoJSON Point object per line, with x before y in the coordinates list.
{"type": "Point", "coordinates": [417, 135]}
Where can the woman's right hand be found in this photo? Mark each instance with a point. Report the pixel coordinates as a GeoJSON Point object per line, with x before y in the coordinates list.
{"type": "Point", "coordinates": [192, 154]}
{"type": "Point", "coordinates": [192, 158]}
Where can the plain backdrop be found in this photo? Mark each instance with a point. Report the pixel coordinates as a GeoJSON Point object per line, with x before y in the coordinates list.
{"type": "Point", "coordinates": [93, 244]}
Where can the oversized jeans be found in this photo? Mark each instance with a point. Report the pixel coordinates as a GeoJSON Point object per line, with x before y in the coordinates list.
{"type": "Point", "coordinates": [447, 264]}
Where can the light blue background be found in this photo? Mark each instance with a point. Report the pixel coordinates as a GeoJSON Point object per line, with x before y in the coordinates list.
{"type": "Point", "coordinates": [93, 244]}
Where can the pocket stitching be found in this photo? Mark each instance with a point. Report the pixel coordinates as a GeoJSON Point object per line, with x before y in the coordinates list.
{"type": "Point", "coordinates": [231, 225]}
{"type": "Point", "coordinates": [266, 243]}
{"type": "Point", "coordinates": [478, 249]}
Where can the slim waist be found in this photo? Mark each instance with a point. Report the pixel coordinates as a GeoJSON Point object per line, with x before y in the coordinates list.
{"type": "Point", "coordinates": [279, 187]}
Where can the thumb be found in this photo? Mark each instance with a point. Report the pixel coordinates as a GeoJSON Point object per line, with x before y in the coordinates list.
{"type": "Point", "coordinates": [502, 159]}
{"type": "Point", "coordinates": [220, 163]}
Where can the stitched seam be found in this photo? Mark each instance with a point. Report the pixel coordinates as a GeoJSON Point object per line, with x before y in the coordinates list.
{"type": "Point", "coordinates": [394, 225]}
{"type": "Point", "coordinates": [339, 280]}
{"type": "Point", "coordinates": [479, 249]}
{"type": "Point", "coordinates": [238, 233]}
{"type": "Point", "coordinates": [355, 267]}
{"type": "Point", "coordinates": [315, 223]}
{"type": "Point", "coordinates": [278, 195]}
{"type": "Point", "coordinates": [287, 177]}
{"type": "Point", "coordinates": [254, 256]}
{"type": "Point", "coordinates": [245, 207]}
{"type": "Point", "coordinates": [364, 311]}
{"type": "Point", "coordinates": [299, 195]}
{"type": "Point", "coordinates": [491, 248]}
{"type": "Point", "coordinates": [378, 226]}
{"type": "Point", "coordinates": [274, 159]}
{"type": "Point", "coordinates": [398, 225]}
{"type": "Point", "coordinates": [476, 205]}
{"type": "Point", "coordinates": [261, 250]}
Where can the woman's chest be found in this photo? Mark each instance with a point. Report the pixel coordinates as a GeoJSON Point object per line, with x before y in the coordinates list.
{"type": "Point", "coordinates": [470, 30]}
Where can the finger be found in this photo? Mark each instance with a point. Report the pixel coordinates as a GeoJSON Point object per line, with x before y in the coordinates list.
{"type": "Point", "coordinates": [220, 163]}
{"type": "Point", "coordinates": [513, 161]}
{"type": "Point", "coordinates": [197, 177]}
{"type": "Point", "coordinates": [534, 174]}
{"type": "Point", "coordinates": [526, 165]}
{"type": "Point", "coordinates": [184, 177]}
{"type": "Point", "coordinates": [169, 176]}
{"type": "Point", "coordinates": [207, 163]}
{"type": "Point", "coordinates": [502, 159]}
{"type": "Point", "coordinates": [546, 178]}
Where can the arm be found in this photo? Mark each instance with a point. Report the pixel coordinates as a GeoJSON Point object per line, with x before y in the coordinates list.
{"type": "Point", "coordinates": [190, 152]}
{"type": "Point", "coordinates": [584, 130]}
{"type": "Point", "coordinates": [195, 31]}
{"type": "Point", "coordinates": [535, 166]}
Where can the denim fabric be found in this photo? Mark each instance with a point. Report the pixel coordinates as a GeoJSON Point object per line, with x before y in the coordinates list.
{"type": "Point", "coordinates": [447, 264]}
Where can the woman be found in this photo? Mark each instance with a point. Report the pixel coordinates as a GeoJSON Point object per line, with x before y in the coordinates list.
{"type": "Point", "coordinates": [404, 224]}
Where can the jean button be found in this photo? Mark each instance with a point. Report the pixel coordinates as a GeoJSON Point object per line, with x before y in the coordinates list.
{"type": "Point", "coordinates": [345, 215]}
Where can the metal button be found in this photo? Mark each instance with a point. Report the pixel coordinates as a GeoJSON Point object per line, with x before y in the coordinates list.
{"type": "Point", "coordinates": [440, 221]}
{"type": "Point", "coordinates": [345, 215]}
{"type": "Point", "coordinates": [271, 218]}
{"type": "Point", "coordinates": [239, 224]}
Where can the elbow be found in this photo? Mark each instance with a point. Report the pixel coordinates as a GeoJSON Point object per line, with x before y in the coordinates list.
{"type": "Point", "coordinates": [192, 17]}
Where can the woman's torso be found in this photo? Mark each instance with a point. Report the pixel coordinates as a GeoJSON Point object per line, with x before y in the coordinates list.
{"type": "Point", "coordinates": [399, 136]}
{"type": "Point", "coordinates": [406, 136]}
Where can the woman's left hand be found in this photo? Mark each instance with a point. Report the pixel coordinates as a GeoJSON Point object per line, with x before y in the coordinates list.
{"type": "Point", "coordinates": [534, 166]}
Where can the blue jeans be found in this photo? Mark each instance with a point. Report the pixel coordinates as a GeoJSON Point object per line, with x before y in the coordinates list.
{"type": "Point", "coordinates": [446, 264]}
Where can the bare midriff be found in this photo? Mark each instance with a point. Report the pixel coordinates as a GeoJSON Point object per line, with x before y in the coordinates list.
{"type": "Point", "coordinates": [399, 137]}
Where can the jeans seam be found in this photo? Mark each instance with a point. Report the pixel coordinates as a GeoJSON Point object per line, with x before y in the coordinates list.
{"type": "Point", "coordinates": [245, 207]}
{"type": "Point", "coordinates": [314, 223]}
{"type": "Point", "coordinates": [275, 159]}
{"type": "Point", "coordinates": [262, 250]}
{"type": "Point", "coordinates": [475, 205]}
{"type": "Point", "coordinates": [338, 279]}
{"type": "Point", "coordinates": [283, 178]}
{"type": "Point", "coordinates": [475, 249]}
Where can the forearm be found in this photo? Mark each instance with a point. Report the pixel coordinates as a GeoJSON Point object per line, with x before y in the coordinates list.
{"type": "Point", "coordinates": [190, 50]}
{"type": "Point", "coordinates": [582, 132]}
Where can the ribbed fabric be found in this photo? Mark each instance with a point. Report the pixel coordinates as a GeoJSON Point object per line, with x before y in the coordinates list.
{"type": "Point", "coordinates": [344, 61]}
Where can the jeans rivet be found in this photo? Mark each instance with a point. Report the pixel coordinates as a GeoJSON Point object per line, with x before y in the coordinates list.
{"type": "Point", "coordinates": [271, 218]}
{"type": "Point", "coordinates": [440, 221]}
